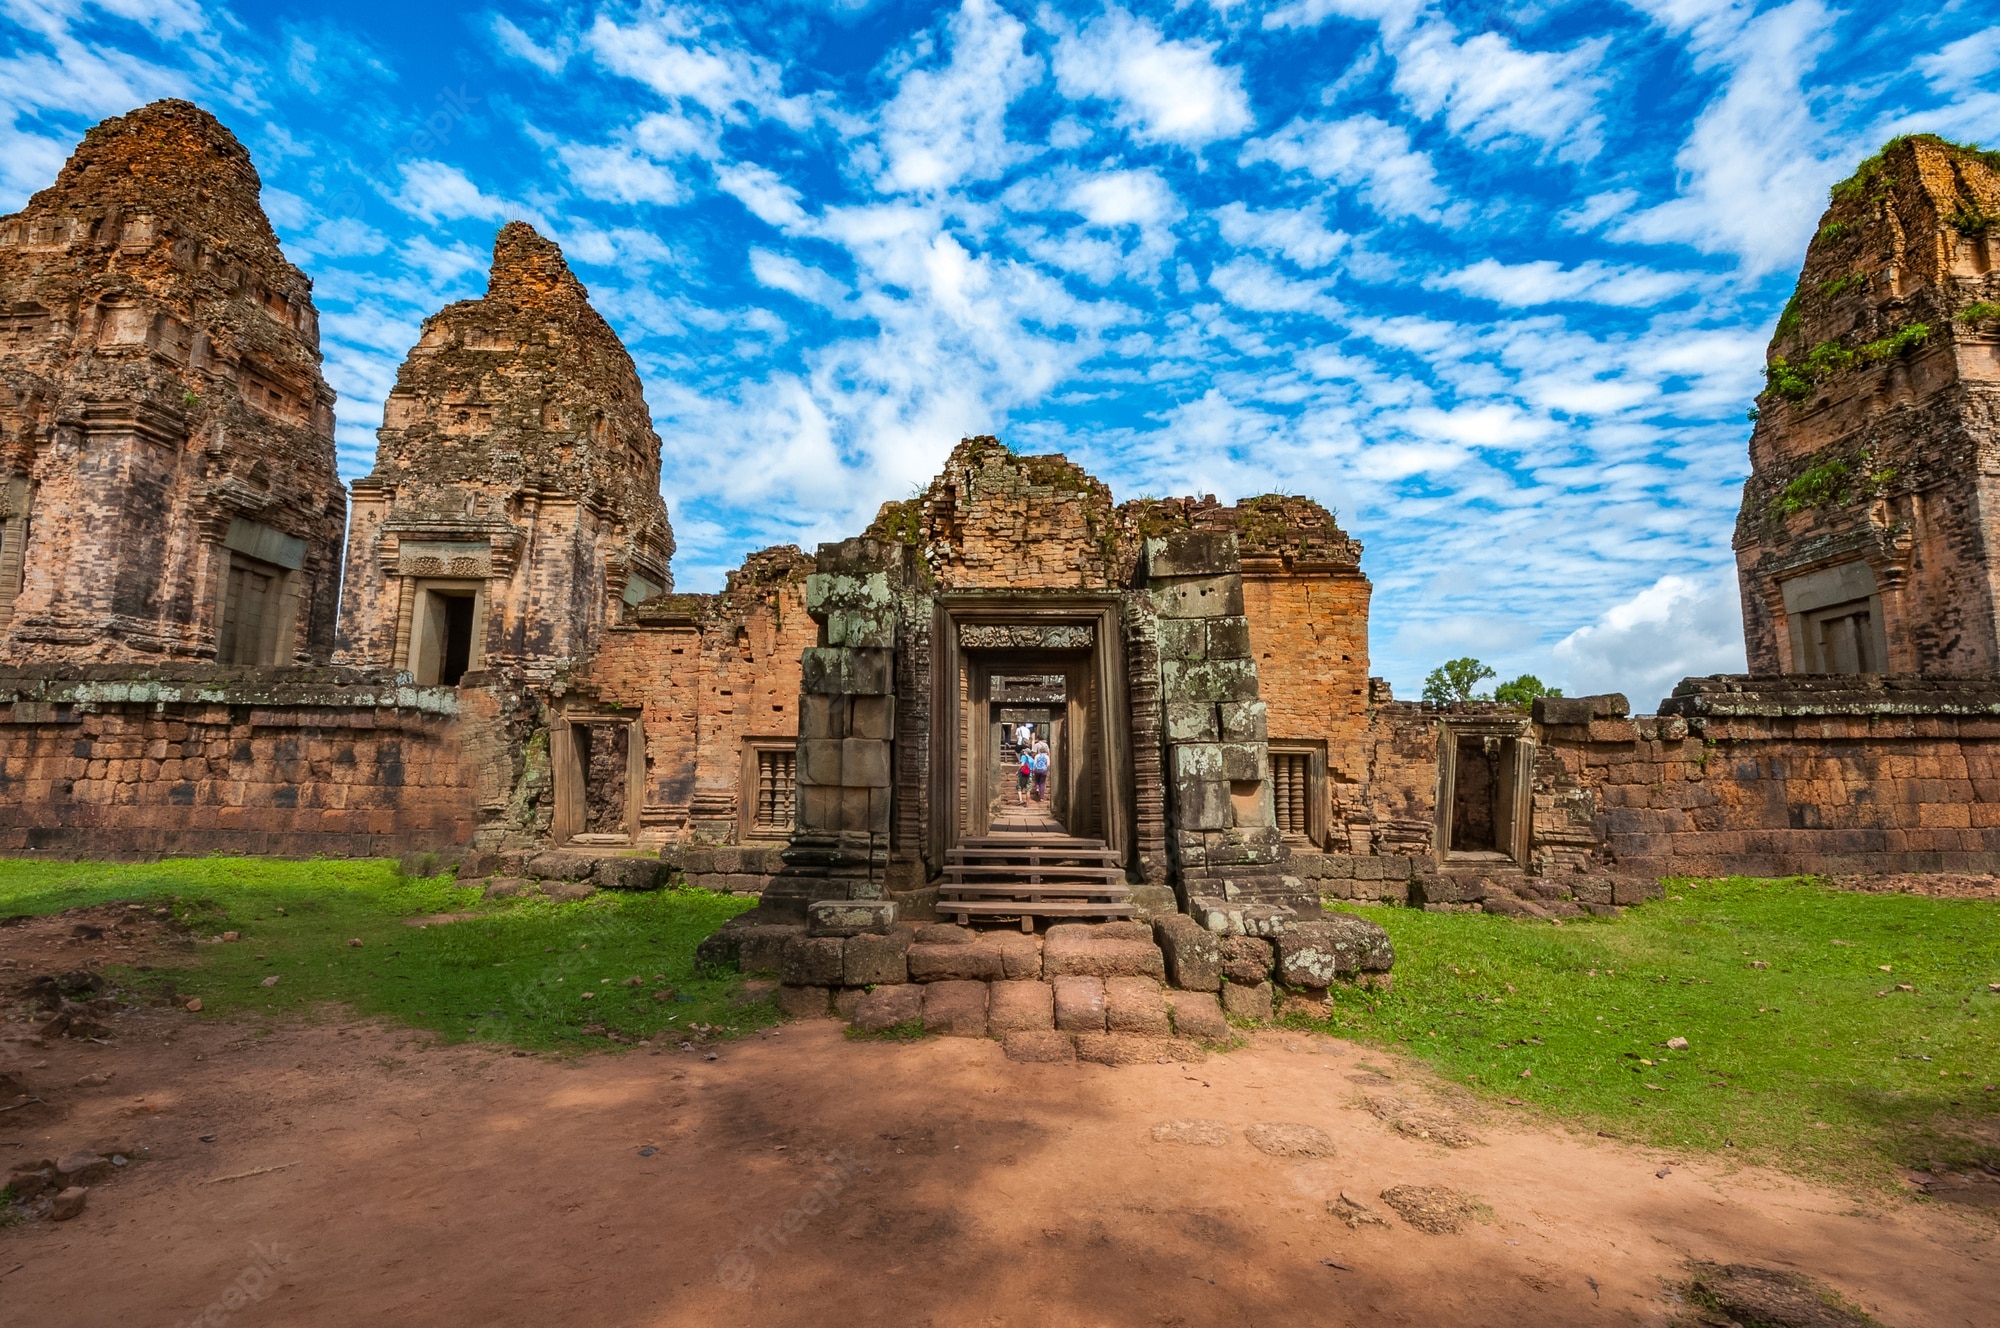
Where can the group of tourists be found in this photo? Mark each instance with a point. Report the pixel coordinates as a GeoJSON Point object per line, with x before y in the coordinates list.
{"type": "Point", "coordinates": [1033, 771]}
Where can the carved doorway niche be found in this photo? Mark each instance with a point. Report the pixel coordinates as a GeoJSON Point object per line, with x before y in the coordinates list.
{"type": "Point", "coordinates": [599, 762]}
{"type": "Point", "coordinates": [1484, 791]}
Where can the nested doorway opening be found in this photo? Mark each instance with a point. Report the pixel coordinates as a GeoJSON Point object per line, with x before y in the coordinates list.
{"type": "Point", "coordinates": [1484, 796]}
{"type": "Point", "coordinates": [1056, 663]}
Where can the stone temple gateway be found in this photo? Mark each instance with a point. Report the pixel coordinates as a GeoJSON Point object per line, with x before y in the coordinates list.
{"type": "Point", "coordinates": [511, 677]}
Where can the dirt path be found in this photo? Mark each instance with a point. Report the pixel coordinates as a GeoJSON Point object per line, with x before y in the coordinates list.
{"type": "Point", "coordinates": [800, 1178]}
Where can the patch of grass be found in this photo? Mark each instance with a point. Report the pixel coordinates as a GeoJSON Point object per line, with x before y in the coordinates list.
{"type": "Point", "coordinates": [516, 972]}
{"type": "Point", "coordinates": [10, 1213]}
{"type": "Point", "coordinates": [1813, 486]}
{"type": "Point", "coordinates": [1907, 337]}
{"type": "Point", "coordinates": [1833, 230]}
{"type": "Point", "coordinates": [910, 1030]}
{"type": "Point", "coordinates": [1840, 285]}
{"type": "Point", "coordinates": [1801, 1064]}
{"type": "Point", "coordinates": [1979, 311]}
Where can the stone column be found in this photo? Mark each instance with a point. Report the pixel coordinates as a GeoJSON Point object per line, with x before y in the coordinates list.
{"type": "Point", "coordinates": [1225, 840]}
{"type": "Point", "coordinates": [839, 847]}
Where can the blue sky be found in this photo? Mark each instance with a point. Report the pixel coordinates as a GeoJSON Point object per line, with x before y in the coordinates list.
{"type": "Point", "coordinates": [1491, 281]}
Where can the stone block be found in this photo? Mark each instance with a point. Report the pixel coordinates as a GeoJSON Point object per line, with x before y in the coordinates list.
{"type": "Point", "coordinates": [1191, 721]}
{"type": "Point", "coordinates": [1020, 954]}
{"type": "Point", "coordinates": [762, 949]}
{"type": "Point", "coordinates": [559, 864]}
{"type": "Point", "coordinates": [823, 670]}
{"type": "Point", "coordinates": [1136, 1005]}
{"type": "Point", "coordinates": [1628, 890]}
{"type": "Point", "coordinates": [849, 917]}
{"type": "Point", "coordinates": [1234, 917]}
{"type": "Point", "coordinates": [1079, 1003]}
{"type": "Point", "coordinates": [1133, 1049]}
{"type": "Point", "coordinates": [819, 762]}
{"type": "Point", "coordinates": [1244, 721]}
{"type": "Point", "coordinates": [1197, 597]}
{"type": "Point", "coordinates": [1183, 638]}
{"type": "Point", "coordinates": [823, 716]}
{"type": "Point", "coordinates": [945, 933]}
{"type": "Point", "coordinates": [1252, 1003]}
{"type": "Point", "coordinates": [873, 717]}
{"type": "Point", "coordinates": [1208, 680]}
{"type": "Point", "coordinates": [1228, 638]}
{"type": "Point", "coordinates": [567, 892]}
{"type": "Point", "coordinates": [627, 873]}
{"type": "Point", "coordinates": [1192, 553]}
{"type": "Point", "coordinates": [507, 887]}
{"type": "Point", "coordinates": [1193, 955]}
{"type": "Point", "coordinates": [1203, 805]}
{"type": "Point", "coordinates": [1020, 1007]}
{"type": "Point", "coordinates": [846, 1000]}
{"type": "Point", "coordinates": [812, 961]}
{"type": "Point", "coordinates": [804, 1002]}
{"type": "Point", "coordinates": [1317, 953]}
{"type": "Point", "coordinates": [869, 960]}
{"type": "Point", "coordinates": [864, 763]}
{"type": "Point", "coordinates": [1073, 950]}
{"type": "Point", "coordinates": [1198, 1014]}
{"type": "Point", "coordinates": [1247, 960]}
{"type": "Point", "coordinates": [1193, 761]}
{"type": "Point", "coordinates": [1561, 710]}
{"type": "Point", "coordinates": [871, 672]}
{"type": "Point", "coordinates": [1242, 762]}
{"type": "Point", "coordinates": [956, 963]}
{"type": "Point", "coordinates": [1443, 889]}
{"type": "Point", "coordinates": [955, 1008]}
{"type": "Point", "coordinates": [1040, 1048]}
{"type": "Point", "coordinates": [888, 1007]}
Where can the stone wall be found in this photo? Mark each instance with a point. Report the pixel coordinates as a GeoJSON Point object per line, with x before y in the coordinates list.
{"type": "Point", "coordinates": [705, 673]}
{"type": "Point", "coordinates": [109, 762]}
{"type": "Point", "coordinates": [1779, 776]}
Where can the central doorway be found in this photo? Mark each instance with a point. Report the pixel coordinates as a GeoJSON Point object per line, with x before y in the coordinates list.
{"type": "Point", "coordinates": [1054, 663]}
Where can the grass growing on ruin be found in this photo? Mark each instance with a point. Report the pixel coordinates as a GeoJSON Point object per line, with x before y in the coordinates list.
{"type": "Point", "coordinates": [1816, 1062]}
{"type": "Point", "coordinates": [515, 972]}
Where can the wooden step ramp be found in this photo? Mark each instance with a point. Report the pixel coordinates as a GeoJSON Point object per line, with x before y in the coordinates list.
{"type": "Point", "coordinates": [1030, 876]}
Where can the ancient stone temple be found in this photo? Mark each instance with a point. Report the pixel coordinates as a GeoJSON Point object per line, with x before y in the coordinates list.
{"type": "Point", "coordinates": [514, 510]}
{"type": "Point", "coordinates": [167, 483]}
{"type": "Point", "coordinates": [1866, 543]}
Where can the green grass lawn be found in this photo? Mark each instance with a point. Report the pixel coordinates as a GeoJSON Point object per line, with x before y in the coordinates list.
{"type": "Point", "coordinates": [517, 972]}
{"type": "Point", "coordinates": [1804, 1063]}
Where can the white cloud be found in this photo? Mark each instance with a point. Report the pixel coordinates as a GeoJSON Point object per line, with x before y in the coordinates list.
{"type": "Point", "coordinates": [1678, 627]}
{"type": "Point", "coordinates": [1256, 286]}
{"type": "Point", "coordinates": [781, 272]}
{"type": "Point", "coordinates": [1757, 164]}
{"type": "Point", "coordinates": [948, 125]}
{"type": "Point", "coordinates": [1494, 94]}
{"type": "Point", "coordinates": [1960, 65]}
{"type": "Point", "coordinates": [549, 59]}
{"type": "Point", "coordinates": [672, 51]}
{"type": "Point", "coordinates": [620, 175]}
{"type": "Point", "coordinates": [1300, 234]}
{"type": "Point", "coordinates": [760, 189]}
{"type": "Point", "coordinates": [1362, 152]}
{"type": "Point", "coordinates": [1546, 281]}
{"type": "Point", "coordinates": [1165, 91]}
{"type": "Point", "coordinates": [437, 192]}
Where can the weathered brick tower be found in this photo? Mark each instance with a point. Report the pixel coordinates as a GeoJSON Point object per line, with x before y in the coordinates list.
{"type": "Point", "coordinates": [1866, 542]}
{"type": "Point", "coordinates": [167, 481]}
{"type": "Point", "coordinates": [514, 509]}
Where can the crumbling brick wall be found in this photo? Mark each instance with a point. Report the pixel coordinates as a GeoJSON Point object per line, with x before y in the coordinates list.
{"type": "Point", "coordinates": [1774, 777]}
{"type": "Point", "coordinates": [103, 762]}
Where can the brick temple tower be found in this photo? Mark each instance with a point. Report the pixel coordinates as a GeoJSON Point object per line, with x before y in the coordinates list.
{"type": "Point", "coordinates": [167, 479]}
{"type": "Point", "coordinates": [1867, 538]}
{"type": "Point", "coordinates": [514, 509]}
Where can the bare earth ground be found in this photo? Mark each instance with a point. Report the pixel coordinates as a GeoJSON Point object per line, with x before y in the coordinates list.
{"type": "Point", "coordinates": [802, 1178]}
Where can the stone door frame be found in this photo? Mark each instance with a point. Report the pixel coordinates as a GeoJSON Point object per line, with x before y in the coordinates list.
{"type": "Point", "coordinates": [572, 801]}
{"type": "Point", "coordinates": [1514, 799]}
{"type": "Point", "coordinates": [1103, 661]}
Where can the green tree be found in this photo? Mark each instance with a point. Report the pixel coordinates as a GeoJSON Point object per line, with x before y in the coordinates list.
{"type": "Point", "coordinates": [1523, 691]}
{"type": "Point", "coordinates": [1453, 681]}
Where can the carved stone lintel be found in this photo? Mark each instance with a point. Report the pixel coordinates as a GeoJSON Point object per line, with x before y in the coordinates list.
{"type": "Point", "coordinates": [1065, 636]}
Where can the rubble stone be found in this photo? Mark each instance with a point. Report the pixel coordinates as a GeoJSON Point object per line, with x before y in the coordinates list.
{"type": "Point", "coordinates": [1192, 954]}
{"type": "Point", "coordinates": [1019, 1007]}
{"type": "Point", "coordinates": [1135, 1005]}
{"type": "Point", "coordinates": [955, 1008]}
{"type": "Point", "coordinates": [1250, 1003]}
{"type": "Point", "coordinates": [1079, 1003]}
{"type": "Point", "coordinates": [885, 1008]}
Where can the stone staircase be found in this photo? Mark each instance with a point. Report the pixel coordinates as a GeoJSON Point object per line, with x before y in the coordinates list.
{"type": "Point", "coordinates": [1033, 875]}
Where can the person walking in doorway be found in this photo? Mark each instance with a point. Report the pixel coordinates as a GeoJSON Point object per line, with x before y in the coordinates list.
{"type": "Point", "coordinates": [1024, 773]}
{"type": "Point", "coordinates": [1040, 765]}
